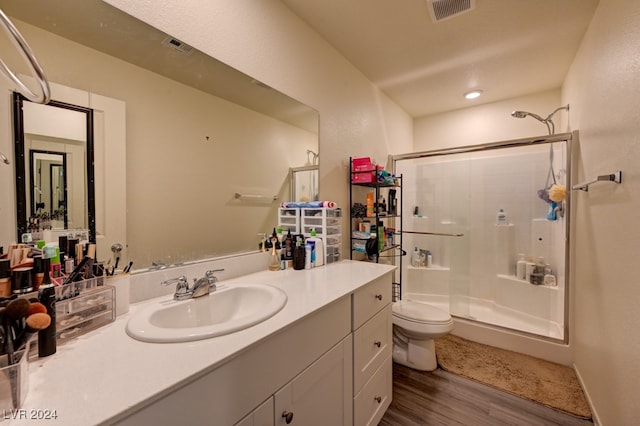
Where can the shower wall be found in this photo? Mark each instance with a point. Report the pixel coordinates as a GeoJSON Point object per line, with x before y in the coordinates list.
{"type": "Point", "coordinates": [475, 274]}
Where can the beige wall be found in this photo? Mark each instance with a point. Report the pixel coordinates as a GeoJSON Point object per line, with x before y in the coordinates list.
{"type": "Point", "coordinates": [602, 87]}
{"type": "Point", "coordinates": [486, 123]}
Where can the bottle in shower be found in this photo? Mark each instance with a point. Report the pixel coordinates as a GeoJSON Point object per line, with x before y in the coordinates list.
{"type": "Point", "coordinates": [521, 267]}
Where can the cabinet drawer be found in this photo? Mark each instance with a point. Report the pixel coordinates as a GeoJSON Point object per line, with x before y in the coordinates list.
{"type": "Point", "coordinates": [373, 400]}
{"type": "Point", "coordinates": [371, 346]}
{"type": "Point", "coordinates": [368, 300]}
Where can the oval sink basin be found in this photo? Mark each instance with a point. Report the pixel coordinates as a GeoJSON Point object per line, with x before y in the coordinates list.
{"type": "Point", "coordinates": [224, 311]}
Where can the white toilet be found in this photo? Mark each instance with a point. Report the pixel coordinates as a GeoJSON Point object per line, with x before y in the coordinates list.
{"type": "Point", "coordinates": [415, 325]}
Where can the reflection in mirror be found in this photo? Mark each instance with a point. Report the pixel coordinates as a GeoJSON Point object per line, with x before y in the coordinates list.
{"type": "Point", "coordinates": [197, 131]}
{"type": "Point", "coordinates": [48, 193]}
{"type": "Point", "coordinates": [54, 166]}
{"type": "Point", "coordinates": [304, 183]}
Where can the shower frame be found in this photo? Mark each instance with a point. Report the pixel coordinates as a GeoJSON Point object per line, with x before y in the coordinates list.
{"type": "Point", "coordinates": [568, 138]}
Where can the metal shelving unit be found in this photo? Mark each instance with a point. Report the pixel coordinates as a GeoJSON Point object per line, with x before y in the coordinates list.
{"type": "Point", "coordinates": [391, 217]}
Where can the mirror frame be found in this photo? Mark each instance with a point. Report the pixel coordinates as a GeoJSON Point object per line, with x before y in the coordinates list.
{"type": "Point", "coordinates": [32, 198]}
{"type": "Point", "coordinates": [21, 165]}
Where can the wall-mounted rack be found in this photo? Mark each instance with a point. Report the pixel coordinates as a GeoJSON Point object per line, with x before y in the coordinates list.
{"type": "Point", "coordinates": [251, 197]}
{"type": "Point", "coordinates": [612, 177]}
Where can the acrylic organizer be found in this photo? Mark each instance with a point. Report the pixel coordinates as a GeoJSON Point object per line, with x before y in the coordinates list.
{"type": "Point", "coordinates": [81, 307]}
{"type": "Point", "coordinates": [14, 381]}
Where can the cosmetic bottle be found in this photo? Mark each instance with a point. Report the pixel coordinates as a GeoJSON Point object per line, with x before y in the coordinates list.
{"type": "Point", "coordinates": [298, 255]}
{"type": "Point", "coordinates": [318, 248]}
{"type": "Point", "coordinates": [22, 280]}
{"type": "Point", "coordinates": [38, 272]}
{"type": "Point", "coordinates": [415, 257]}
{"type": "Point", "coordinates": [370, 204]}
{"type": "Point", "coordinates": [5, 278]}
{"type": "Point", "coordinates": [429, 260]}
{"type": "Point", "coordinates": [274, 259]}
{"type": "Point", "coordinates": [47, 296]}
{"type": "Point", "coordinates": [288, 246]}
{"type": "Point", "coordinates": [521, 266]}
{"type": "Point", "coordinates": [308, 252]}
{"type": "Point", "coordinates": [501, 218]}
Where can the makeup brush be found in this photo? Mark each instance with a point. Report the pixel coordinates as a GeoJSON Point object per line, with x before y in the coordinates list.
{"type": "Point", "coordinates": [36, 307]}
{"type": "Point", "coordinates": [34, 323]}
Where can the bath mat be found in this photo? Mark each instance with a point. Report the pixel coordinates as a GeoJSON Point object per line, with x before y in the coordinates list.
{"type": "Point", "coordinates": [545, 382]}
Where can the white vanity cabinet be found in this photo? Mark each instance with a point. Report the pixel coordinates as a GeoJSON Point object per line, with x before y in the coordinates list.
{"type": "Point", "coordinates": [372, 346]}
{"type": "Point", "coordinates": [261, 416]}
{"type": "Point", "coordinates": [321, 394]}
{"type": "Point", "coordinates": [331, 367]}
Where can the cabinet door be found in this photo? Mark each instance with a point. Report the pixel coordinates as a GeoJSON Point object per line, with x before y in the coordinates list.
{"type": "Point", "coordinates": [321, 394]}
{"type": "Point", "coordinates": [261, 416]}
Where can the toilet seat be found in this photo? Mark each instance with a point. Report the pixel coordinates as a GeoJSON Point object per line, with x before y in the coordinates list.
{"type": "Point", "coordinates": [418, 312]}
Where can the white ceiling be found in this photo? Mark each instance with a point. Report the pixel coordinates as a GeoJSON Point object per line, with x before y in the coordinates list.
{"type": "Point", "coordinates": [507, 48]}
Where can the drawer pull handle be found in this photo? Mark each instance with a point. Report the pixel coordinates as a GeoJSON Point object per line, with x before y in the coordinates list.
{"type": "Point", "coordinates": [378, 343]}
{"type": "Point", "coordinates": [378, 399]}
{"type": "Point", "coordinates": [287, 416]}
{"type": "Point", "coordinates": [379, 296]}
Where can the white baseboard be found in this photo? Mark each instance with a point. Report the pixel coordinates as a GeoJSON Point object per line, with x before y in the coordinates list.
{"type": "Point", "coordinates": [594, 412]}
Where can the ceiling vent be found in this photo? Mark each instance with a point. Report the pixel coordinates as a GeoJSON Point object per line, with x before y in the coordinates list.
{"type": "Point", "coordinates": [445, 9]}
{"type": "Point", "coordinates": [178, 45]}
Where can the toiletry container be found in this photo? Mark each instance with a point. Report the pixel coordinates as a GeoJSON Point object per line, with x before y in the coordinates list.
{"type": "Point", "coordinates": [415, 257]}
{"type": "Point", "coordinates": [318, 248]}
{"type": "Point", "coordinates": [298, 255]}
{"type": "Point", "coordinates": [521, 266]}
{"type": "Point", "coordinates": [47, 296]}
{"type": "Point", "coordinates": [5, 277]}
{"type": "Point", "coordinates": [370, 205]}
{"type": "Point", "coordinates": [501, 218]}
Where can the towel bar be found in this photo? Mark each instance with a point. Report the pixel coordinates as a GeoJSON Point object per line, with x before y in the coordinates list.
{"type": "Point", "coordinates": [612, 177]}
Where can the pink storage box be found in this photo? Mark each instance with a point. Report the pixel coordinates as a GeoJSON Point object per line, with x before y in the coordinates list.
{"type": "Point", "coordinates": [363, 164]}
{"type": "Point", "coordinates": [363, 177]}
{"type": "Point", "coordinates": [364, 170]}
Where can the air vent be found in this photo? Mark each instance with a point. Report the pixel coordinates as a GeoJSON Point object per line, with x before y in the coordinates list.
{"type": "Point", "coordinates": [445, 9]}
{"type": "Point", "coordinates": [178, 45]}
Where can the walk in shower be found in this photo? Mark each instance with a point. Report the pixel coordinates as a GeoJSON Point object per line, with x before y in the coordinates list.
{"type": "Point", "coordinates": [477, 211]}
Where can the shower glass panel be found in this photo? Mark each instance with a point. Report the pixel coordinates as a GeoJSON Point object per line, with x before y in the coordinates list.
{"type": "Point", "coordinates": [473, 274]}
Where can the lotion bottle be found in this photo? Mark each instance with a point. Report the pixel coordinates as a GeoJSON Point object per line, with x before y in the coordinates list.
{"type": "Point", "coordinates": [318, 248]}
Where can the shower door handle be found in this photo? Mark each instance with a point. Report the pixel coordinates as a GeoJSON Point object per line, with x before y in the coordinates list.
{"type": "Point", "coordinates": [441, 234]}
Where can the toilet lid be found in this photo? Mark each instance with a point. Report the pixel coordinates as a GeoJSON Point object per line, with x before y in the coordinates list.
{"type": "Point", "coordinates": [420, 312]}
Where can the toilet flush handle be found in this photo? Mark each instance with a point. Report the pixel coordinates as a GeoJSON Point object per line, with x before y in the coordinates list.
{"type": "Point", "coordinates": [379, 296]}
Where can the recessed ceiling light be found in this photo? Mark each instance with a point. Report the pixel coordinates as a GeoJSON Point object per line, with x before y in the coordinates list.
{"type": "Point", "coordinates": [473, 94]}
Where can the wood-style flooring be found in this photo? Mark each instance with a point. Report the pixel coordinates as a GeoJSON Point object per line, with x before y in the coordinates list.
{"type": "Point", "coordinates": [443, 398]}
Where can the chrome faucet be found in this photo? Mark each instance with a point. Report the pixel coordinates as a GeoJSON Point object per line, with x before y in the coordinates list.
{"type": "Point", "coordinates": [206, 284]}
{"type": "Point", "coordinates": [182, 287]}
{"type": "Point", "coordinates": [201, 286]}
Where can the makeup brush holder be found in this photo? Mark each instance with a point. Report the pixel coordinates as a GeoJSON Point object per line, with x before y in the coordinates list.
{"type": "Point", "coordinates": [14, 381]}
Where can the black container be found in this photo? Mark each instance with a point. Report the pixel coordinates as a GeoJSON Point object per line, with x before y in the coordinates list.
{"type": "Point", "coordinates": [298, 257]}
{"type": "Point", "coordinates": [22, 281]}
{"type": "Point", "coordinates": [47, 296]}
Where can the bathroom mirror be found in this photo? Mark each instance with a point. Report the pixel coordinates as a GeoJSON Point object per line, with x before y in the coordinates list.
{"type": "Point", "coordinates": [54, 165]}
{"type": "Point", "coordinates": [197, 131]}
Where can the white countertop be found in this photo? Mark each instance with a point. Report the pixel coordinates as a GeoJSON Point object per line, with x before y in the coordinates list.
{"type": "Point", "coordinates": [97, 377]}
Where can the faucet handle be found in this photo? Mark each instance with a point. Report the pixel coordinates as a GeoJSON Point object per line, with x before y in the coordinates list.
{"type": "Point", "coordinates": [211, 274]}
{"type": "Point", "coordinates": [181, 280]}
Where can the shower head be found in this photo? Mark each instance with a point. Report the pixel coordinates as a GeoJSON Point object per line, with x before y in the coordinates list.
{"type": "Point", "coordinates": [546, 121]}
{"type": "Point", "coordinates": [523, 114]}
